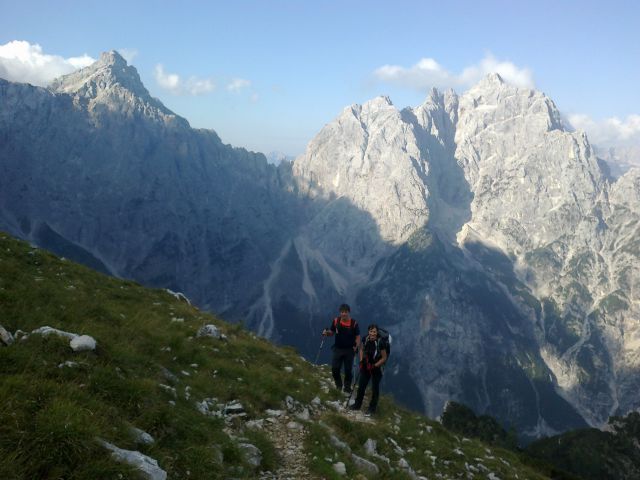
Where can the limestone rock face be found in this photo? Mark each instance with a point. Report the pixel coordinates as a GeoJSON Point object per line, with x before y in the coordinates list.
{"type": "Point", "coordinates": [369, 157]}
{"type": "Point", "coordinates": [100, 172]}
{"type": "Point", "coordinates": [486, 237]}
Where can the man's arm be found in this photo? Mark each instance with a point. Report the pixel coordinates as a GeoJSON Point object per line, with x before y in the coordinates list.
{"type": "Point", "coordinates": [330, 332]}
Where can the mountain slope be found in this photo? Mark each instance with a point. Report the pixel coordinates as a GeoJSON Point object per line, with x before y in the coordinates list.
{"type": "Point", "coordinates": [207, 402]}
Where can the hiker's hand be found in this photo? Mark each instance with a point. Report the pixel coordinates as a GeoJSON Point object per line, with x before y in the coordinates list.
{"type": "Point", "coordinates": [325, 332]}
{"type": "Point", "coordinates": [362, 365]}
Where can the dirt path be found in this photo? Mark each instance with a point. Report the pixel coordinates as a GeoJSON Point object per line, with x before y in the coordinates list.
{"type": "Point", "coordinates": [289, 442]}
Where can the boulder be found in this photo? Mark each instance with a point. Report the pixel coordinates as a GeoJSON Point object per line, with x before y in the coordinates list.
{"type": "Point", "coordinates": [365, 466]}
{"type": "Point", "coordinates": [83, 343]}
{"type": "Point", "coordinates": [209, 331]}
{"type": "Point", "coordinates": [233, 408]}
{"type": "Point", "coordinates": [339, 444]}
{"type": "Point", "coordinates": [54, 331]}
{"type": "Point", "coordinates": [5, 336]}
{"type": "Point", "coordinates": [251, 453]}
{"type": "Point", "coordinates": [147, 466]}
{"type": "Point", "coordinates": [340, 468]}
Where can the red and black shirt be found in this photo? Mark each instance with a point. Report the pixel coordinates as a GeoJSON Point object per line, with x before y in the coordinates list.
{"type": "Point", "coordinates": [346, 332]}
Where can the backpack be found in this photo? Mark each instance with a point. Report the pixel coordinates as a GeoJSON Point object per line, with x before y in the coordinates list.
{"type": "Point", "coordinates": [385, 340]}
{"type": "Point", "coordinates": [382, 343]}
{"type": "Point", "coordinates": [341, 329]}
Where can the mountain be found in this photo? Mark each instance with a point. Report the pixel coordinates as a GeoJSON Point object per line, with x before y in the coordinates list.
{"type": "Point", "coordinates": [486, 237]}
{"type": "Point", "coordinates": [95, 165]}
{"type": "Point", "coordinates": [169, 391]}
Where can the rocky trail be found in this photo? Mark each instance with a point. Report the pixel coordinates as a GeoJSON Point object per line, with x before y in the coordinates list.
{"type": "Point", "coordinates": [288, 437]}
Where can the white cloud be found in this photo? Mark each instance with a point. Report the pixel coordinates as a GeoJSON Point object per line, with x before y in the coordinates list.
{"type": "Point", "coordinates": [177, 86]}
{"type": "Point", "coordinates": [429, 73]}
{"type": "Point", "coordinates": [128, 54]}
{"type": "Point", "coordinates": [610, 131]}
{"type": "Point", "coordinates": [237, 84]}
{"type": "Point", "coordinates": [520, 77]}
{"type": "Point", "coordinates": [21, 61]}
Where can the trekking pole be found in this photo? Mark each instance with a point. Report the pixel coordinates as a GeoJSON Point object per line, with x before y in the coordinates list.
{"type": "Point", "coordinates": [353, 387]}
{"type": "Point", "coordinates": [318, 354]}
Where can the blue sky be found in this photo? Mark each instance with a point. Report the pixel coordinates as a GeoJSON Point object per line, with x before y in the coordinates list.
{"type": "Point", "coordinates": [267, 75]}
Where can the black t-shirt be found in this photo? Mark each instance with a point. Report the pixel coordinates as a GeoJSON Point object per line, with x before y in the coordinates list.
{"type": "Point", "coordinates": [346, 333]}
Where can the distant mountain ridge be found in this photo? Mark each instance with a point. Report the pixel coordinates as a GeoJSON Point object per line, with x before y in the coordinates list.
{"type": "Point", "coordinates": [482, 233]}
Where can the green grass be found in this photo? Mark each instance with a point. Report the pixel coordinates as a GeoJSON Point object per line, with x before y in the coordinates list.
{"type": "Point", "coordinates": [50, 416]}
{"type": "Point", "coordinates": [420, 439]}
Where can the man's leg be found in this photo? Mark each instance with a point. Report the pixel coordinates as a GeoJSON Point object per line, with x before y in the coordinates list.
{"type": "Point", "coordinates": [348, 370]}
{"type": "Point", "coordinates": [336, 361]}
{"type": "Point", "coordinates": [375, 390]}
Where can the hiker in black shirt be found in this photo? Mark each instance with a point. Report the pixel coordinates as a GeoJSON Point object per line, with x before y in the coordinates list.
{"type": "Point", "coordinates": [372, 356]}
{"type": "Point", "coordinates": [347, 342]}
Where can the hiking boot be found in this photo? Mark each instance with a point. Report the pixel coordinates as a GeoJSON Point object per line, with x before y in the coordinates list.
{"type": "Point", "coordinates": [354, 407]}
{"type": "Point", "coordinates": [369, 413]}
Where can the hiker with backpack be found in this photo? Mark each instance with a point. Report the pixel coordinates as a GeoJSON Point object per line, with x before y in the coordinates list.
{"type": "Point", "coordinates": [373, 355]}
{"type": "Point", "coordinates": [347, 342]}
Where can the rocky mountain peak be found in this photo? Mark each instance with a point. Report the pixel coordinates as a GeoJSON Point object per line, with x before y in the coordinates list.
{"type": "Point", "coordinates": [493, 78]}
{"type": "Point", "coordinates": [112, 83]}
{"type": "Point", "coordinates": [379, 102]}
{"type": "Point", "coordinates": [109, 72]}
{"type": "Point", "coordinates": [112, 58]}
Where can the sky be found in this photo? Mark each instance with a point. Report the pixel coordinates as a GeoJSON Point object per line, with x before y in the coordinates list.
{"type": "Point", "coordinates": [268, 75]}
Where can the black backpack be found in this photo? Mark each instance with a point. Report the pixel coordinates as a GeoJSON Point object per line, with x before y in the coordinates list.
{"type": "Point", "coordinates": [385, 340]}
{"type": "Point", "coordinates": [342, 329]}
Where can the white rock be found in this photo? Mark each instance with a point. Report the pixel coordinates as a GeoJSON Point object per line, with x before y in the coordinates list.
{"type": "Point", "coordinates": [147, 466]}
{"type": "Point", "coordinates": [68, 363]}
{"type": "Point", "coordinates": [340, 468]}
{"type": "Point", "coordinates": [83, 343]}
{"type": "Point", "coordinates": [290, 403]}
{"type": "Point", "coordinates": [303, 415]}
{"type": "Point", "coordinates": [252, 454]}
{"type": "Point", "coordinates": [46, 331]}
{"type": "Point", "coordinates": [209, 331]}
{"type": "Point", "coordinates": [404, 465]}
{"type": "Point", "coordinates": [179, 295]}
{"type": "Point", "coordinates": [255, 424]}
{"type": "Point", "coordinates": [365, 465]}
{"type": "Point", "coordinates": [169, 389]}
{"type": "Point", "coordinates": [5, 336]}
{"type": "Point", "coordinates": [339, 444]}
{"type": "Point", "coordinates": [233, 408]}
{"type": "Point", "coordinates": [370, 446]}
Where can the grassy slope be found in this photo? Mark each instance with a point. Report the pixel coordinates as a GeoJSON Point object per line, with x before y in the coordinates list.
{"type": "Point", "coordinates": [50, 416]}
